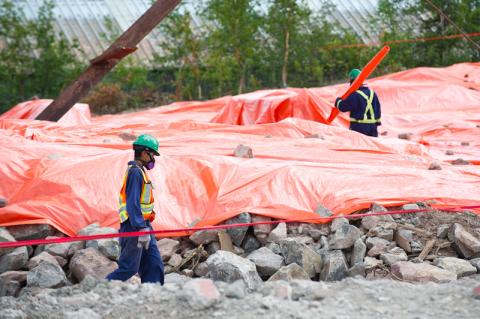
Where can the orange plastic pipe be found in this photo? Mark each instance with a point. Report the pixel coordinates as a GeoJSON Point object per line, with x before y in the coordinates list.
{"type": "Point", "coordinates": [366, 71]}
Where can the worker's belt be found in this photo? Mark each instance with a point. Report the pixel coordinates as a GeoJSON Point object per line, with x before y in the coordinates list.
{"type": "Point", "coordinates": [367, 121]}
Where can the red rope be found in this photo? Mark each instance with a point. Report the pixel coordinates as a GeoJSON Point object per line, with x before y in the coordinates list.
{"type": "Point", "coordinates": [224, 226]}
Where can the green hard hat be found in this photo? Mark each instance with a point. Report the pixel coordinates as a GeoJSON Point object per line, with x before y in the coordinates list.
{"type": "Point", "coordinates": [148, 141]}
{"type": "Point", "coordinates": [354, 74]}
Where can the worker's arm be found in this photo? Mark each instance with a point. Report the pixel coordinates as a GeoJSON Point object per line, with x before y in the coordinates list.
{"type": "Point", "coordinates": [133, 192]}
{"type": "Point", "coordinates": [378, 109]}
{"type": "Point", "coordinates": [344, 105]}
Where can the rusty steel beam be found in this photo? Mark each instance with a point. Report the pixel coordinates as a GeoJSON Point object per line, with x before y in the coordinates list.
{"type": "Point", "coordinates": [101, 65]}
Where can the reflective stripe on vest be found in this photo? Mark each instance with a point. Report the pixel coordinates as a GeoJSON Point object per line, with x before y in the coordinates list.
{"type": "Point", "coordinates": [369, 109]}
{"type": "Point", "coordinates": [146, 198]}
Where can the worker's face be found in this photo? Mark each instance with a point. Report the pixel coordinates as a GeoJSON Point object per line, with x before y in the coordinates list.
{"type": "Point", "coordinates": [147, 157]}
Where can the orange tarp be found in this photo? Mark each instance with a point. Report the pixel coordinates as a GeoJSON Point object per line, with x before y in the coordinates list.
{"type": "Point", "coordinates": [69, 174]}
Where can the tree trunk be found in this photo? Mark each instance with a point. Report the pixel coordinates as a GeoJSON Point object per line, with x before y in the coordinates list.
{"type": "Point", "coordinates": [285, 60]}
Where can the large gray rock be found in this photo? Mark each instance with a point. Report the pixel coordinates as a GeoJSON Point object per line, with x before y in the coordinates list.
{"type": "Point", "coordinates": [201, 270]}
{"type": "Point", "coordinates": [289, 273]}
{"type": "Point", "coordinates": [11, 282]}
{"type": "Point", "coordinates": [358, 252]}
{"type": "Point", "coordinates": [15, 260]}
{"type": "Point", "coordinates": [344, 237]}
{"type": "Point", "coordinates": [393, 255]}
{"type": "Point", "coordinates": [357, 270]}
{"type": "Point", "coordinates": [466, 245]}
{"type": "Point", "coordinates": [266, 261]}
{"type": "Point", "coordinates": [250, 243]}
{"type": "Point", "coordinates": [46, 275]}
{"type": "Point", "coordinates": [238, 233]}
{"type": "Point", "coordinates": [5, 236]}
{"type": "Point", "coordinates": [335, 267]}
{"type": "Point", "coordinates": [200, 293]}
{"type": "Point", "coordinates": [410, 207]}
{"type": "Point", "coordinates": [261, 231]}
{"type": "Point", "coordinates": [337, 223]}
{"type": "Point", "coordinates": [376, 246]}
{"type": "Point", "coordinates": [403, 238]}
{"type": "Point", "coordinates": [226, 266]}
{"type": "Point", "coordinates": [460, 267]}
{"type": "Point", "coordinates": [43, 257]}
{"type": "Point", "coordinates": [383, 230]}
{"type": "Point", "coordinates": [475, 263]}
{"type": "Point", "coordinates": [371, 263]}
{"type": "Point", "coordinates": [421, 272]}
{"type": "Point", "coordinates": [278, 233]}
{"type": "Point", "coordinates": [294, 251]}
{"type": "Point", "coordinates": [64, 250]}
{"type": "Point", "coordinates": [110, 247]}
{"type": "Point", "coordinates": [90, 262]}
{"type": "Point", "coordinates": [29, 232]}
{"type": "Point", "coordinates": [167, 247]}
{"type": "Point", "coordinates": [204, 237]}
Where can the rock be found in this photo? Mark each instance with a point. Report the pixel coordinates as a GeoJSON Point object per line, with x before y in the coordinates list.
{"type": "Point", "coordinates": [275, 248]}
{"type": "Point", "coordinates": [278, 289]}
{"type": "Point", "coordinates": [266, 261]}
{"type": "Point", "coordinates": [175, 278]}
{"type": "Point", "coordinates": [278, 233]}
{"type": "Point", "coordinates": [435, 166]}
{"type": "Point", "coordinates": [344, 237]}
{"type": "Point", "coordinates": [383, 230]}
{"type": "Point", "coordinates": [228, 267]}
{"type": "Point", "coordinates": [243, 151]}
{"type": "Point", "coordinates": [449, 152]}
{"type": "Point", "coordinates": [238, 250]}
{"type": "Point", "coordinates": [294, 251]}
{"type": "Point", "coordinates": [82, 313]}
{"type": "Point", "coordinates": [187, 272]}
{"type": "Point", "coordinates": [261, 231]}
{"type": "Point", "coordinates": [11, 282]}
{"type": "Point", "coordinates": [417, 247]}
{"type": "Point", "coordinates": [324, 243]}
{"type": "Point", "coordinates": [358, 252]}
{"type": "Point", "coordinates": [250, 243]}
{"type": "Point", "coordinates": [323, 211]}
{"type": "Point", "coordinates": [458, 266]}
{"type": "Point", "coordinates": [204, 237]}
{"type": "Point", "coordinates": [464, 143]}
{"type": "Point", "coordinates": [403, 238]}
{"type": "Point", "coordinates": [337, 223]}
{"type": "Point", "coordinates": [460, 161]}
{"type": "Point", "coordinates": [289, 273]}
{"type": "Point", "coordinates": [64, 250]}
{"type": "Point", "coordinates": [175, 260]}
{"type": "Point", "coordinates": [442, 231]}
{"type": "Point", "coordinates": [371, 263]}
{"type": "Point", "coordinates": [422, 272]}
{"type": "Point", "coordinates": [110, 247]}
{"type": "Point", "coordinates": [15, 260]}
{"type": "Point", "coordinates": [201, 293]}
{"type": "Point", "coordinates": [201, 270]}
{"type": "Point", "coordinates": [464, 243]}
{"type": "Point", "coordinates": [61, 261]}
{"type": "Point", "coordinates": [29, 232]}
{"type": "Point", "coordinates": [5, 236]}
{"type": "Point", "coordinates": [357, 270]}
{"type": "Point", "coordinates": [476, 291]}
{"type": "Point", "coordinates": [46, 275]}
{"type": "Point", "coordinates": [405, 136]}
{"type": "Point", "coordinates": [236, 290]}
{"type": "Point", "coordinates": [90, 262]}
{"type": "Point", "coordinates": [475, 263]}
{"type": "Point", "coordinates": [13, 314]}
{"type": "Point", "coordinates": [309, 290]}
{"type": "Point", "coordinates": [238, 233]}
{"type": "Point", "coordinates": [335, 267]}
{"type": "Point", "coordinates": [393, 255]}
{"type": "Point", "coordinates": [410, 207]}
{"type": "Point", "coordinates": [167, 247]}
{"type": "Point", "coordinates": [376, 246]}
{"type": "Point", "coordinates": [212, 248]}
{"type": "Point", "coordinates": [3, 202]}
{"type": "Point", "coordinates": [377, 208]}
{"type": "Point", "coordinates": [369, 222]}
{"type": "Point", "coordinates": [43, 257]}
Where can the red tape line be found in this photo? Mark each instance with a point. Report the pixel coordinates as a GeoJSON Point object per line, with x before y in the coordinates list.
{"type": "Point", "coordinates": [224, 226]}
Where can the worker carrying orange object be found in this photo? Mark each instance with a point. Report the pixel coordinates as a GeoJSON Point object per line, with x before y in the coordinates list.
{"type": "Point", "coordinates": [364, 108]}
{"type": "Point", "coordinates": [139, 254]}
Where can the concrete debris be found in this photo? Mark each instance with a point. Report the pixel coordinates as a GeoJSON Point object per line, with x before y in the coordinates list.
{"type": "Point", "coordinates": [204, 237]}
{"type": "Point", "coordinates": [238, 233]}
{"type": "Point", "coordinates": [29, 232]}
{"type": "Point", "coordinates": [46, 275]}
{"type": "Point", "coordinates": [294, 251]}
{"type": "Point", "coordinates": [11, 282]}
{"type": "Point", "coordinates": [421, 272]}
{"type": "Point", "coordinates": [403, 238]}
{"type": "Point", "coordinates": [5, 236]}
{"type": "Point", "coordinates": [43, 257]}
{"type": "Point", "coordinates": [228, 267]}
{"type": "Point", "coordinates": [335, 267]}
{"type": "Point", "coordinates": [289, 273]}
{"type": "Point", "coordinates": [200, 293]}
{"type": "Point", "coordinates": [266, 261]}
{"type": "Point", "coordinates": [167, 247]}
{"type": "Point", "coordinates": [90, 262]}
{"type": "Point", "coordinates": [243, 151]}
{"type": "Point", "coordinates": [15, 260]}
{"type": "Point", "coordinates": [458, 266]}
{"type": "Point", "coordinates": [278, 233]}
{"type": "Point", "coordinates": [393, 255]}
{"type": "Point", "coordinates": [344, 237]}
{"type": "Point", "coordinates": [465, 244]}
{"type": "Point", "coordinates": [358, 252]}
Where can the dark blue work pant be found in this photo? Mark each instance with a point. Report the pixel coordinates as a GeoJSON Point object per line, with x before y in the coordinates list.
{"type": "Point", "coordinates": [146, 262]}
{"type": "Point", "coordinates": [366, 129]}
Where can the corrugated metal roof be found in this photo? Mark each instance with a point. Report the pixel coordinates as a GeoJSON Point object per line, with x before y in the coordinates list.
{"type": "Point", "coordinates": [84, 20]}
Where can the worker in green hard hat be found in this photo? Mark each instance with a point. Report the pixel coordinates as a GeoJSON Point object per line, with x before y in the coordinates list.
{"type": "Point", "coordinates": [364, 108]}
{"type": "Point", "coordinates": [136, 212]}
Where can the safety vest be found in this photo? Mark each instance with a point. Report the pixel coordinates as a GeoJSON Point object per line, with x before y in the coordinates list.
{"type": "Point", "coordinates": [369, 115]}
{"type": "Point", "coordinates": [146, 198]}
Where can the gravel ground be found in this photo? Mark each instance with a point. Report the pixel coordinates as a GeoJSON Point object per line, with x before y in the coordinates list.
{"type": "Point", "coordinates": [350, 298]}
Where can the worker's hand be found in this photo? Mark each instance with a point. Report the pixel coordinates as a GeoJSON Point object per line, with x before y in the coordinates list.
{"type": "Point", "coordinates": [144, 240]}
{"type": "Point", "coordinates": [337, 102]}
{"type": "Point", "coordinates": [152, 217]}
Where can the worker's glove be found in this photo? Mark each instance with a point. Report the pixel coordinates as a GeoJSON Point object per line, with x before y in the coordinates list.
{"type": "Point", "coordinates": [151, 218]}
{"type": "Point", "coordinates": [144, 240]}
{"type": "Point", "coordinates": [337, 102]}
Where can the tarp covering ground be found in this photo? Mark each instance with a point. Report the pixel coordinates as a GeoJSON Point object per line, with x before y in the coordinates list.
{"type": "Point", "coordinates": [68, 174]}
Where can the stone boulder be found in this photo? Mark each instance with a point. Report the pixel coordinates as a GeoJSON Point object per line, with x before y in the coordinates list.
{"type": "Point", "coordinates": [243, 151]}
{"type": "Point", "coordinates": [110, 247]}
{"type": "Point", "coordinates": [358, 252]}
{"type": "Point", "coordinates": [46, 275]}
{"type": "Point", "coordinates": [403, 238]}
{"type": "Point", "coordinates": [337, 223]}
{"type": "Point", "coordinates": [323, 211]}
{"type": "Point", "coordinates": [29, 232]}
{"type": "Point", "coordinates": [238, 233]}
{"type": "Point", "coordinates": [289, 273]}
{"type": "Point", "coordinates": [278, 233]}
{"type": "Point", "coordinates": [266, 261]}
{"type": "Point", "coordinates": [294, 251]}
{"type": "Point", "coordinates": [167, 247]}
{"type": "Point", "coordinates": [460, 267]}
{"type": "Point", "coordinates": [421, 272]}
{"type": "Point", "coordinates": [90, 262]}
{"type": "Point", "coordinates": [11, 282]}
{"type": "Point", "coordinates": [261, 231]}
{"type": "Point", "coordinates": [393, 255]}
{"type": "Point", "coordinates": [335, 267]}
{"type": "Point", "coordinates": [228, 267]}
{"type": "Point", "coordinates": [204, 237]}
{"type": "Point", "coordinates": [344, 237]}
{"type": "Point", "coordinates": [376, 246]}
{"type": "Point", "coordinates": [466, 245]}
{"type": "Point", "coordinates": [64, 250]}
{"type": "Point", "coordinates": [475, 263]}
{"type": "Point", "coordinates": [250, 243]}
{"type": "Point", "coordinates": [43, 257]}
{"type": "Point", "coordinates": [15, 260]}
{"type": "Point", "coordinates": [5, 236]}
